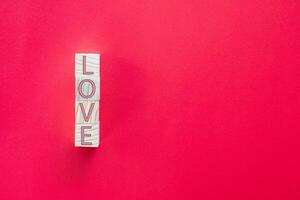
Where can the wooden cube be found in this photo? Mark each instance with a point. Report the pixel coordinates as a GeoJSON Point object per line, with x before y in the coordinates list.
{"type": "Point", "coordinates": [87, 112]}
{"type": "Point", "coordinates": [87, 135]}
{"type": "Point", "coordinates": [87, 88]}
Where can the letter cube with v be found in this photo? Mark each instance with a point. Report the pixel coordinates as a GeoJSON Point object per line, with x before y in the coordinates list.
{"type": "Point", "coordinates": [87, 97]}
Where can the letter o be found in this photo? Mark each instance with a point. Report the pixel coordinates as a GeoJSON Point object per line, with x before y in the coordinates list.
{"type": "Point", "coordinates": [93, 88]}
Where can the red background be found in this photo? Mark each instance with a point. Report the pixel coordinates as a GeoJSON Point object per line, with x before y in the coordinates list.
{"type": "Point", "coordinates": [199, 99]}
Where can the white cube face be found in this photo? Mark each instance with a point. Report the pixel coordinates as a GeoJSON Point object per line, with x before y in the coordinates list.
{"type": "Point", "coordinates": [91, 62]}
{"type": "Point", "coordinates": [87, 112]}
{"type": "Point", "coordinates": [87, 135]}
{"type": "Point", "coordinates": [87, 88]}
{"type": "Point", "coordinates": [87, 97]}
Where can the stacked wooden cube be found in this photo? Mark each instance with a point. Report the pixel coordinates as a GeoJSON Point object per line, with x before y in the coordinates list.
{"type": "Point", "coordinates": [87, 95]}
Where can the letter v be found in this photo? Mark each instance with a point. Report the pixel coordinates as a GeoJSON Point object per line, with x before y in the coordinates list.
{"type": "Point", "coordinates": [86, 117]}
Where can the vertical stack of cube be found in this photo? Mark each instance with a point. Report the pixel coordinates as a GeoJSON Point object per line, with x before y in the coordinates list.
{"type": "Point", "coordinates": [87, 97]}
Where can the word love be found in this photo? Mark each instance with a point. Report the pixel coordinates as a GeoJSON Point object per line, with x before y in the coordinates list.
{"type": "Point", "coordinates": [87, 97]}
